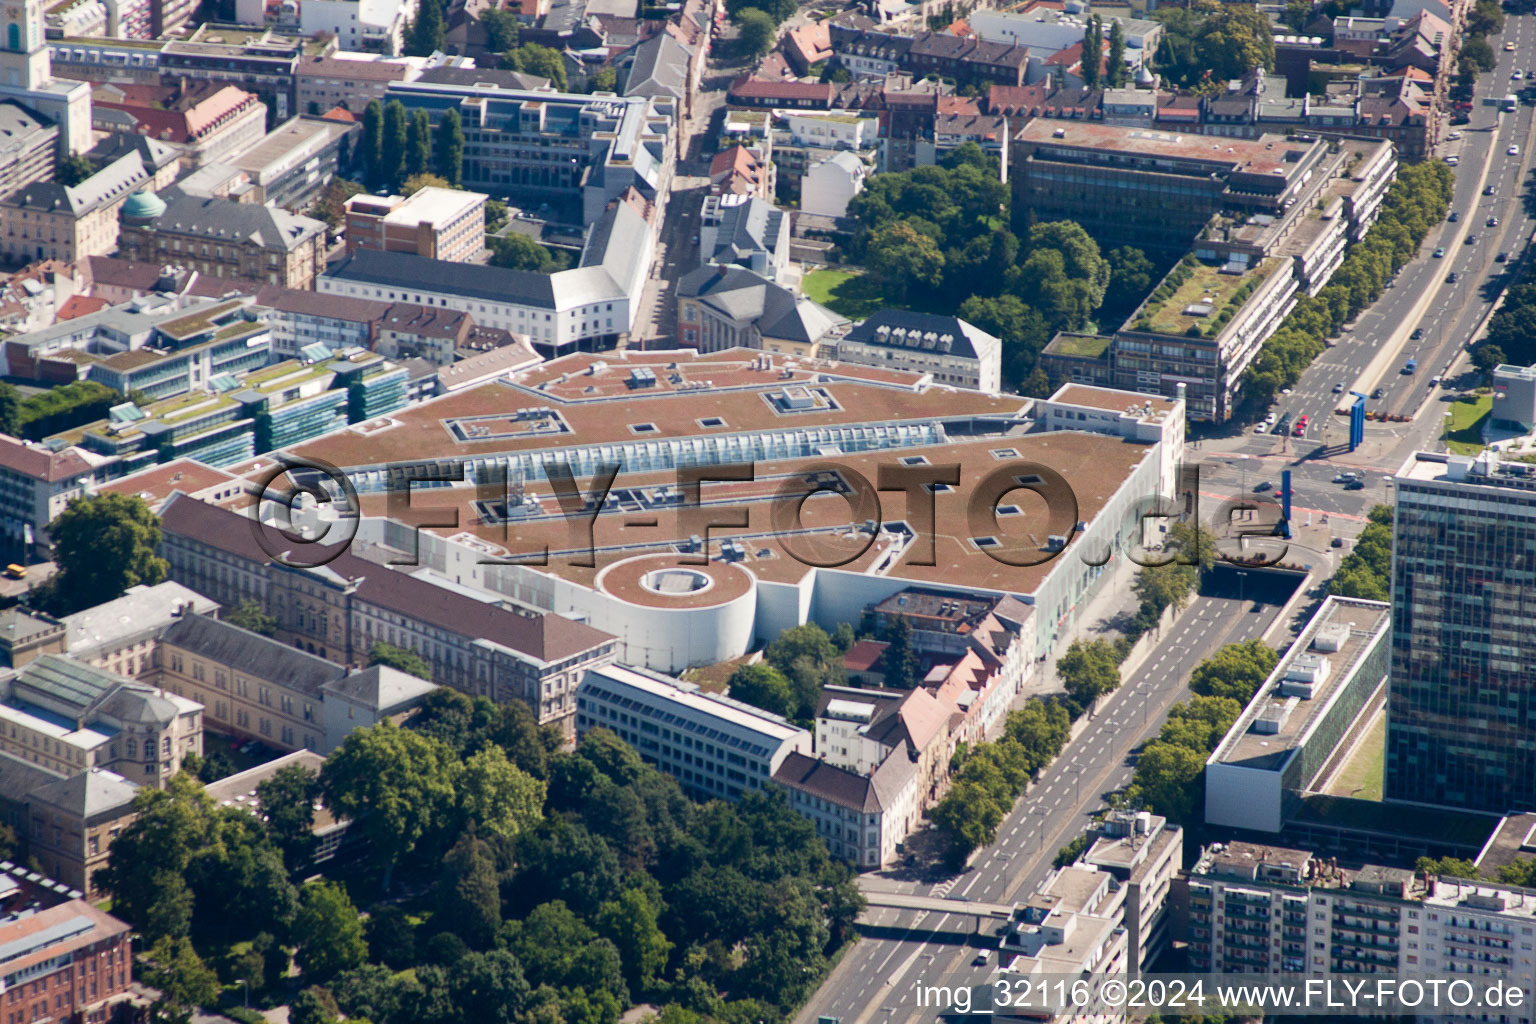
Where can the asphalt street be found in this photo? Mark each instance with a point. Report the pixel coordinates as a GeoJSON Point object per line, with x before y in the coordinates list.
{"type": "Point", "coordinates": [876, 978]}
{"type": "Point", "coordinates": [1452, 312]}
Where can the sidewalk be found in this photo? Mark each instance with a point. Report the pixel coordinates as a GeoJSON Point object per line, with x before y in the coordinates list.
{"type": "Point", "coordinates": [1113, 599]}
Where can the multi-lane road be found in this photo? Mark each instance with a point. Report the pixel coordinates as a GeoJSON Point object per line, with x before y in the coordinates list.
{"type": "Point", "coordinates": [874, 982]}
{"type": "Point", "coordinates": [1423, 297]}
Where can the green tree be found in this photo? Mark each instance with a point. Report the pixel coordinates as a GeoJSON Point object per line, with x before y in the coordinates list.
{"type": "Point", "coordinates": [401, 658]}
{"type": "Point", "coordinates": [1486, 357]}
{"type": "Point", "coordinates": [391, 937]}
{"type": "Point", "coordinates": [1083, 265]}
{"type": "Point", "coordinates": [216, 765]}
{"type": "Point", "coordinates": [496, 796]}
{"type": "Point", "coordinates": [1452, 867]}
{"type": "Point", "coordinates": [373, 141]}
{"type": "Point", "coordinates": [533, 59]}
{"type": "Point", "coordinates": [1130, 278]}
{"type": "Point", "coordinates": [765, 687]}
{"type": "Point", "coordinates": [418, 145]}
{"type": "Point", "coordinates": [1521, 871]}
{"type": "Point", "coordinates": [104, 544]}
{"type": "Point", "coordinates": [288, 803]}
{"type": "Point", "coordinates": [1093, 52]}
{"type": "Point", "coordinates": [808, 659]}
{"type": "Point", "coordinates": [468, 897]}
{"type": "Point", "coordinates": [427, 32]}
{"type": "Point", "coordinates": [1021, 329]}
{"type": "Point", "coordinates": [631, 923]}
{"type": "Point", "coordinates": [449, 151]}
{"type": "Point", "coordinates": [516, 251]}
{"type": "Point", "coordinates": [968, 815]}
{"type": "Point", "coordinates": [416, 182]}
{"type": "Point", "coordinates": [10, 410]}
{"type": "Point", "coordinates": [1068, 854]}
{"type": "Point", "coordinates": [604, 79]}
{"type": "Point", "coordinates": [900, 659]}
{"type": "Point", "coordinates": [1366, 571]}
{"type": "Point", "coordinates": [901, 258]}
{"type": "Point", "coordinates": [396, 136]}
{"type": "Point", "coordinates": [500, 29]}
{"type": "Point", "coordinates": [314, 1005]}
{"type": "Point", "coordinates": [1115, 74]}
{"type": "Point", "coordinates": [249, 614]}
{"type": "Point", "coordinates": [66, 407]}
{"type": "Point", "coordinates": [1088, 671]}
{"type": "Point", "coordinates": [495, 215]}
{"type": "Point", "coordinates": [396, 785]}
{"type": "Point", "coordinates": [184, 981]}
{"type": "Point", "coordinates": [1235, 671]}
{"type": "Point", "coordinates": [328, 931]}
{"type": "Point", "coordinates": [1477, 54]}
{"type": "Point", "coordinates": [73, 169]}
{"type": "Point", "coordinates": [1168, 780]}
{"type": "Point", "coordinates": [755, 32]}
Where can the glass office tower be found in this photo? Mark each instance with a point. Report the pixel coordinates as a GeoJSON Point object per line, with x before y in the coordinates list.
{"type": "Point", "coordinates": [1461, 705]}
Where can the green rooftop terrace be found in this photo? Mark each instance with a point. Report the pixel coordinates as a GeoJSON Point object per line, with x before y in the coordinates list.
{"type": "Point", "coordinates": [196, 323]}
{"type": "Point", "coordinates": [1083, 346]}
{"type": "Point", "coordinates": [1192, 284]}
{"type": "Point", "coordinates": [110, 43]}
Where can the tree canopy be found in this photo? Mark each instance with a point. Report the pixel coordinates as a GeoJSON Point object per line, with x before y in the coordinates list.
{"type": "Point", "coordinates": [1366, 572]}
{"type": "Point", "coordinates": [104, 544]}
{"type": "Point", "coordinates": [533, 59]}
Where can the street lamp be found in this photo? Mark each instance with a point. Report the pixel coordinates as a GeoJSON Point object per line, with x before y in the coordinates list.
{"type": "Point", "coordinates": [1077, 780]}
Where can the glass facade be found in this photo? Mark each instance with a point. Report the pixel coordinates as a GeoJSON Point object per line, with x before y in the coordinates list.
{"type": "Point", "coordinates": [1462, 698]}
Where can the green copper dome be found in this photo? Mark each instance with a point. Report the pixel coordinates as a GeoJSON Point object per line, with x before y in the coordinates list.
{"type": "Point", "coordinates": [143, 204]}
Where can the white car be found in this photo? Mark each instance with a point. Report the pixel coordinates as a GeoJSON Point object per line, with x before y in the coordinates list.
{"type": "Point", "coordinates": [1453, 136]}
{"type": "Point", "coordinates": [1513, 151]}
{"type": "Point", "coordinates": [1510, 46]}
{"type": "Point", "coordinates": [1517, 75]}
{"type": "Point", "coordinates": [1270, 419]}
{"type": "Point", "coordinates": [1262, 428]}
{"type": "Point", "coordinates": [1452, 160]}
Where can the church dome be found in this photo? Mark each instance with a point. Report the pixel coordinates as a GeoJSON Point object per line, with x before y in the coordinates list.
{"type": "Point", "coordinates": [143, 206]}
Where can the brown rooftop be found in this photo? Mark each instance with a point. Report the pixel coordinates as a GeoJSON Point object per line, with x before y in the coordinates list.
{"type": "Point", "coordinates": [831, 526]}
{"type": "Point", "coordinates": [548, 638]}
{"type": "Point", "coordinates": [1262, 155]}
{"type": "Point", "coordinates": [588, 400]}
{"type": "Point", "coordinates": [39, 463]}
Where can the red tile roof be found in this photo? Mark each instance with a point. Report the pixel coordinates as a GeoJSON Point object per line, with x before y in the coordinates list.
{"type": "Point", "coordinates": [39, 463]}
{"type": "Point", "coordinates": [748, 87]}
{"type": "Point", "coordinates": [547, 637]}
{"type": "Point", "coordinates": [81, 305]}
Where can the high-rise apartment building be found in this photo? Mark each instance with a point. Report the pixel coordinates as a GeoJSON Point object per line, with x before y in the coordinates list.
{"type": "Point", "coordinates": [1461, 705]}
{"type": "Point", "coordinates": [1268, 910]}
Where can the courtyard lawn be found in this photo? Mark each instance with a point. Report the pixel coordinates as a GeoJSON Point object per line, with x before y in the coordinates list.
{"type": "Point", "coordinates": [849, 293]}
{"type": "Point", "coordinates": [1464, 434]}
{"type": "Point", "coordinates": [1362, 775]}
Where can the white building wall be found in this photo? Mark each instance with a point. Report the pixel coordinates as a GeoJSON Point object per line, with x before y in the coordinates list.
{"type": "Point", "coordinates": [1240, 797]}
{"type": "Point", "coordinates": [826, 188]}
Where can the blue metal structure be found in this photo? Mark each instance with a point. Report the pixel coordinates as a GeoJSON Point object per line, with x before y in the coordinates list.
{"type": "Point", "coordinates": [1357, 421]}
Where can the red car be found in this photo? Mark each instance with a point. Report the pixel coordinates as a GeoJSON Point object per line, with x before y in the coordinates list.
{"type": "Point", "coordinates": [1301, 427]}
